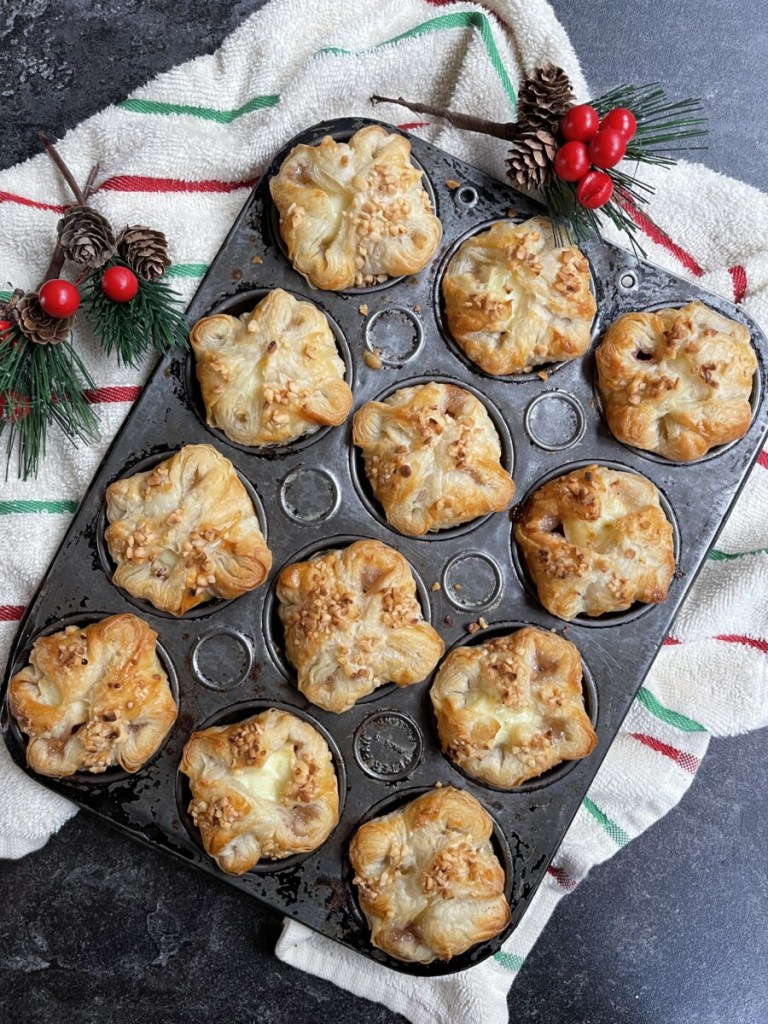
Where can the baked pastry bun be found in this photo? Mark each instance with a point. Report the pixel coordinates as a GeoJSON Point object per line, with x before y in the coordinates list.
{"type": "Point", "coordinates": [512, 707]}
{"type": "Point", "coordinates": [595, 541]}
{"type": "Point", "coordinates": [263, 788]}
{"type": "Point", "coordinates": [433, 458]}
{"type": "Point", "coordinates": [353, 622]}
{"type": "Point", "coordinates": [185, 531]}
{"type": "Point", "coordinates": [93, 698]}
{"type": "Point", "coordinates": [354, 213]}
{"type": "Point", "coordinates": [514, 298]}
{"type": "Point", "coordinates": [676, 381]}
{"type": "Point", "coordinates": [428, 880]}
{"type": "Point", "coordinates": [271, 375]}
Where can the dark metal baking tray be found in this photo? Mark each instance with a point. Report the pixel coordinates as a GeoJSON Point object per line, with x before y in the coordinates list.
{"type": "Point", "coordinates": [227, 656]}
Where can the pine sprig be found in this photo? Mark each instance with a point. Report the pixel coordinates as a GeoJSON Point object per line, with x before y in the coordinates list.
{"type": "Point", "coordinates": [663, 127]}
{"type": "Point", "coordinates": [41, 386]}
{"type": "Point", "coordinates": [153, 320]}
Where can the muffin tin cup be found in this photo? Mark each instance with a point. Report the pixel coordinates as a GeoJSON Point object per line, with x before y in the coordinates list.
{"type": "Point", "coordinates": [109, 565]}
{"type": "Point", "coordinates": [638, 609]}
{"type": "Point", "coordinates": [591, 706]}
{"type": "Point", "coordinates": [112, 775]}
{"type": "Point", "coordinates": [237, 713]}
{"type": "Point", "coordinates": [311, 495]}
{"type": "Point", "coordinates": [245, 302]}
{"type": "Point", "coordinates": [438, 301]}
{"type": "Point", "coordinates": [501, 844]}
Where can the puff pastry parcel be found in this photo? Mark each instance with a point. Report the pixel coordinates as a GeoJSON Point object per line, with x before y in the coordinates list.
{"type": "Point", "coordinates": [428, 880]}
{"type": "Point", "coordinates": [595, 541]}
{"type": "Point", "coordinates": [93, 698]}
{"type": "Point", "coordinates": [271, 375]}
{"type": "Point", "coordinates": [514, 298]}
{"type": "Point", "coordinates": [185, 531]}
{"type": "Point", "coordinates": [433, 458]}
{"type": "Point", "coordinates": [677, 381]}
{"type": "Point", "coordinates": [511, 708]}
{"type": "Point", "coordinates": [261, 788]}
{"type": "Point", "coordinates": [353, 622]}
{"type": "Point", "coordinates": [354, 213]}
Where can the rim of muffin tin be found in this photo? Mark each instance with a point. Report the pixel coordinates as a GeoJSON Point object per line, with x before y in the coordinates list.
{"type": "Point", "coordinates": [236, 713]}
{"type": "Point", "coordinates": [589, 691]}
{"type": "Point", "coordinates": [114, 774]}
{"type": "Point", "coordinates": [713, 453]}
{"type": "Point", "coordinates": [109, 566]}
{"type": "Point", "coordinates": [339, 135]}
{"type": "Point", "coordinates": [272, 628]}
{"type": "Point", "coordinates": [438, 305]}
{"type": "Point", "coordinates": [475, 954]}
{"type": "Point", "coordinates": [235, 306]}
{"type": "Point", "coordinates": [608, 619]}
{"type": "Point", "coordinates": [363, 487]}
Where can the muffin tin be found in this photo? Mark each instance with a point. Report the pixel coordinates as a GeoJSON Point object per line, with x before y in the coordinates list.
{"type": "Point", "coordinates": [313, 495]}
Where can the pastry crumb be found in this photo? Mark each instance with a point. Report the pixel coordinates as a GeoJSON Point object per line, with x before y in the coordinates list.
{"type": "Point", "coordinates": [417, 308]}
{"type": "Point", "coordinates": [436, 586]}
{"type": "Point", "coordinates": [473, 627]}
{"type": "Point", "coordinates": [452, 183]}
{"type": "Point", "coordinates": [457, 586]}
{"type": "Point", "coordinates": [482, 622]}
{"type": "Point", "coordinates": [257, 260]}
{"type": "Point", "coordinates": [363, 309]}
{"type": "Point", "coordinates": [511, 212]}
{"type": "Point", "coordinates": [543, 375]}
{"type": "Point", "coordinates": [438, 784]}
{"type": "Point", "coordinates": [373, 359]}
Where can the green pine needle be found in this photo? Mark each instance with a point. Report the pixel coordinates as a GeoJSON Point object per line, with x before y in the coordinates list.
{"type": "Point", "coordinates": [153, 320]}
{"type": "Point", "coordinates": [41, 385]}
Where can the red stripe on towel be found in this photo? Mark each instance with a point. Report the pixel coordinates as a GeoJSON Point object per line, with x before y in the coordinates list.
{"type": "Point", "coordinates": [739, 278]}
{"type": "Point", "coordinates": [686, 761]}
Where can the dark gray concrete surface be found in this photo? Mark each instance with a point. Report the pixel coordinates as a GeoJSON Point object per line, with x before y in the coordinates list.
{"type": "Point", "coordinates": [95, 928]}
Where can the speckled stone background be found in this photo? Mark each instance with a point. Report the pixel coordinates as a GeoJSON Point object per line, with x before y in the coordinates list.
{"type": "Point", "coordinates": [673, 930]}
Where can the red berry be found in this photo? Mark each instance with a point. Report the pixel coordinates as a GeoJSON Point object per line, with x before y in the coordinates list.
{"type": "Point", "coordinates": [594, 190]}
{"type": "Point", "coordinates": [4, 325]}
{"type": "Point", "coordinates": [59, 298]}
{"type": "Point", "coordinates": [607, 148]}
{"type": "Point", "coordinates": [571, 161]}
{"type": "Point", "coordinates": [580, 123]}
{"type": "Point", "coordinates": [620, 120]}
{"type": "Point", "coordinates": [119, 284]}
{"type": "Point", "coordinates": [20, 406]}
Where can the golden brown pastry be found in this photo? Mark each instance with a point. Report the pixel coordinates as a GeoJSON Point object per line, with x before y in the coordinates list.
{"type": "Point", "coordinates": [514, 298]}
{"type": "Point", "coordinates": [511, 708]}
{"type": "Point", "coordinates": [677, 381]}
{"type": "Point", "coordinates": [353, 622]}
{"type": "Point", "coordinates": [595, 541]}
{"type": "Point", "coordinates": [271, 375]}
{"type": "Point", "coordinates": [261, 788]}
{"type": "Point", "coordinates": [185, 531]}
{"type": "Point", "coordinates": [93, 698]}
{"type": "Point", "coordinates": [354, 213]}
{"type": "Point", "coordinates": [433, 458]}
{"type": "Point", "coordinates": [428, 880]}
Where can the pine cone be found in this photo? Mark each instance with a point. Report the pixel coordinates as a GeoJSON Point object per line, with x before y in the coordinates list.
{"type": "Point", "coordinates": [37, 326]}
{"type": "Point", "coordinates": [86, 237]}
{"type": "Point", "coordinates": [144, 250]}
{"type": "Point", "coordinates": [544, 97]}
{"type": "Point", "coordinates": [529, 163]}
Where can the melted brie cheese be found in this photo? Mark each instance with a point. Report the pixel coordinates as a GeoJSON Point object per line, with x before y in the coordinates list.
{"type": "Point", "coordinates": [516, 725]}
{"type": "Point", "coordinates": [49, 692]}
{"type": "Point", "coordinates": [269, 781]}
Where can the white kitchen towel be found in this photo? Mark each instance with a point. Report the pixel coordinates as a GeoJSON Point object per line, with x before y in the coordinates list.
{"type": "Point", "coordinates": [181, 154]}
